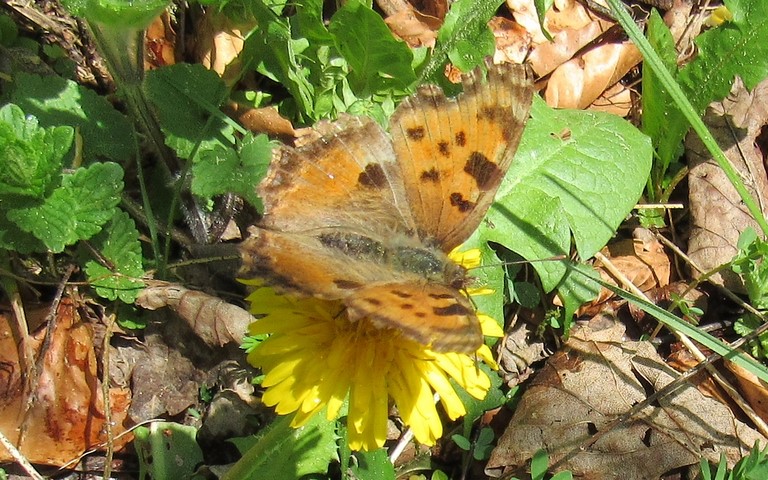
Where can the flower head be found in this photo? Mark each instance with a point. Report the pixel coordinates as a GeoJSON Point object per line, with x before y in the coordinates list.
{"type": "Point", "coordinates": [315, 357]}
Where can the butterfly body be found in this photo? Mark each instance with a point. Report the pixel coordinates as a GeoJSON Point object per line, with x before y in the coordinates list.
{"type": "Point", "coordinates": [368, 218]}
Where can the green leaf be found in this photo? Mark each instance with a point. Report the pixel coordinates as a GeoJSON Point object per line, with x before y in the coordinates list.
{"type": "Point", "coordinates": [31, 157]}
{"type": "Point", "coordinates": [285, 453]}
{"type": "Point", "coordinates": [76, 210]}
{"type": "Point", "coordinates": [373, 465]}
{"type": "Point", "coordinates": [462, 442]}
{"type": "Point", "coordinates": [658, 109]}
{"type": "Point", "coordinates": [734, 48]}
{"type": "Point", "coordinates": [275, 53]}
{"type": "Point", "coordinates": [539, 464]}
{"type": "Point", "coordinates": [476, 408]}
{"type": "Point", "coordinates": [577, 288]}
{"type": "Point", "coordinates": [167, 450]}
{"type": "Point", "coordinates": [379, 62]}
{"type": "Point", "coordinates": [107, 134]}
{"type": "Point", "coordinates": [223, 170]}
{"type": "Point", "coordinates": [187, 99]}
{"type": "Point", "coordinates": [136, 14]}
{"type": "Point", "coordinates": [564, 178]}
{"type": "Point", "coordinates": [119, 244]}
{"type": "Point", "coordinates": [464, 37]}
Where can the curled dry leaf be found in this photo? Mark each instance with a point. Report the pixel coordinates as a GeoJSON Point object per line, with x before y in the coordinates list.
{"type": "Point", "coordinates": [215, 321]}
{"type": "Point", "coordinates": [66, 415]}
{"type": "Point", "coordinates": [754, 390]}
{"type": "Point", "coordinates": [575, 82]}
{"type": "Point", "coordinates": [588, 384]}
{"type": "Point", "coordinates": [580, 81]}
{"type": "Point", "coordinates": [264, 120]}
{"type": "Point", "coordinates": [717, 212]}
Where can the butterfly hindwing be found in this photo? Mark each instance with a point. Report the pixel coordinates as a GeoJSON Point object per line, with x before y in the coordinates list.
{"type": "Point", "coordinates": [429, 313]}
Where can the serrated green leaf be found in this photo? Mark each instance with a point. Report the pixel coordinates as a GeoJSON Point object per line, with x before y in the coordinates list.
{"type": "Point", "coordinates": [285, 453]}
{"type": "Point", "coordinates": [224, 170]}
{"type": "Point", "coordinates": [276, 54]}
{"type": "Point", "coordinates": [76, 210]}
{"type": "Point", "coordinates": [186, 98]}
{"type": "Point", "coordinates": [55, 101]}
{"type": "Point", "coordinates": [119, 244]}
{"type": "Point", "coordinates": [373, 465]}
{"type": "Point", "coordinates": [31, 157]}
{"type": "Point", "coordinates": [734, 48]}
{"type": "Point", "coordinates": [379, 62]}
{"type": "Point", "coordinates": [564, 177]}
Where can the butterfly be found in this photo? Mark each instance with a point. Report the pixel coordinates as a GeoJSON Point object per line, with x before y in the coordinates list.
{"type": "Point", "coordinates": [368, 217]}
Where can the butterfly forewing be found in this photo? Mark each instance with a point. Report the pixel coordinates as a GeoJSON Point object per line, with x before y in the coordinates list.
{"type": "Point", "coordinates": [455, 152]}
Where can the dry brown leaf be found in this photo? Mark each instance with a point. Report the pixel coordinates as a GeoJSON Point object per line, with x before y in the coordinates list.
{"type": "Point", "coordinates": [160, 43]}
{"type": "Point", "coordinates": [580, 81]}
{"type": "Point", "coordinates": [717, 212]}
{"type": "Point", "coordinates": [218, 42]}
{"type": "Point", "coordinates": [512, 41]}
{"type": "Point", "coordinates": [215, 321]}
{"type": "Point", "coordinates": [617, 100]}
{"type": "Point", "coordinates": [66, 416]}
{"type": "Point", "coordinates": [264, 120]}
{"type": "Point", "coordinates": [415, 28]}
{"type": "Point", "coordinates": [642, 260]}
{"type": "Point", "coordinates": [592, 381]}
{"type": "Point", "coordinates": [754, 390]}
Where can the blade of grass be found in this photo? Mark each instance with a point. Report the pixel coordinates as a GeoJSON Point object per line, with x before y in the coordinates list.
{"type": "Point", "coordinates": [653, 61]}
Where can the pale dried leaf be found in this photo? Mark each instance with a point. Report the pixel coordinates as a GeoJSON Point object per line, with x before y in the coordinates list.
{"type": "Point", "coordinates": [415, 28]}
{"type": "Point", "coordinates": [617, 100]}
{"type": "Point", "coordinates": [215, 321]}
{"type": "Point", "coordinates": [580, 81]}
{"type": "Point", "coordinates": [593, 380]}
{"type": "Point", "coordinates": [512, 41]}
{"type": "Point", "coordinates": [717, 213]}
{"type": "Point", "coordinates": [218, 42]}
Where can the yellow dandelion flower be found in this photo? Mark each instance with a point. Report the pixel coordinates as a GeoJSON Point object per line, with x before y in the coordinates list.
{"type": "Point", "coordinates": [315, 358]}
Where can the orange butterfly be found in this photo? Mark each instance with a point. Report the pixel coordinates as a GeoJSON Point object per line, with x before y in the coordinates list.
{"type": "Point", "coordinates": [367, 218]}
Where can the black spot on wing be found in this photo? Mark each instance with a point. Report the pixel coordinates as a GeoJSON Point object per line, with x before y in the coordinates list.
{"type": "Point", "coordinates": [485, 172]}
{"type": "Point", "coordinates": [441, 296]}
{"type": "Point", "coordinates": [431, 175]}
{"type": "Point", "coordinates": [460, 138]}
{"type": "Point", "coordinates": [415, 133]}
{"type": "Point", "coordinates": [444, 148]}
{"type": "Point", "coordinates": [458, 201]}
{"type": "Point", "coordinates": [347, 284]}
{"type": "Point", "coordinates": [373, 176]}
{"type": "Point", "coordinates": [451, 310]}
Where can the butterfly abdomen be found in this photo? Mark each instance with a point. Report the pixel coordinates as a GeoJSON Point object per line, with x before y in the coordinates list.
{"type": "Point", "coordinates": [399, 253]}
